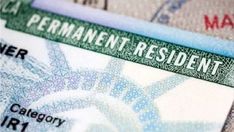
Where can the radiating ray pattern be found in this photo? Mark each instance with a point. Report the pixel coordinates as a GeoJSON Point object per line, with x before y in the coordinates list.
{"type": "Point", "coordinates": [121, 102]}
{"type": "Point", "coordinates": [58, 61]}
{"type": "Point", "coordinates": [159, 88]}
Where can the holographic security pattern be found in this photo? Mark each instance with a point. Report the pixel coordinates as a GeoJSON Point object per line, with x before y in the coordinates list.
{"type": "Point", "coordinates": [124, 103]}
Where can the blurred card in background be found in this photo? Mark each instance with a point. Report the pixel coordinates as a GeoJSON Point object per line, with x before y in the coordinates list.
{"type": "Point", "coordinates": [211, 17]}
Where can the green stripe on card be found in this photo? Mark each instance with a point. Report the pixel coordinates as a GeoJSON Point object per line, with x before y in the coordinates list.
{"type": "Point", "coordinates": [124, 45]}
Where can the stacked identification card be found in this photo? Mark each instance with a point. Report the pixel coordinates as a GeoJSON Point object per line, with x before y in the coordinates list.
{"type": "Point", "coordinates": [63, 69]}
{"type": "Point", "coordinates": [211, 17]}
